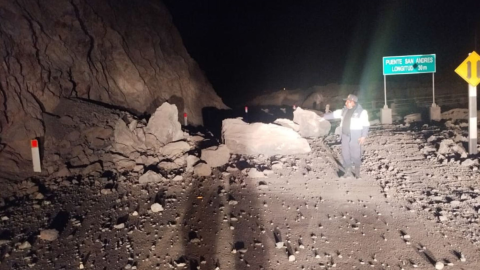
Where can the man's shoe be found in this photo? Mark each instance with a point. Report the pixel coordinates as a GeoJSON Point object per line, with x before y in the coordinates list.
{"type": "Point", "coordinates": [356, 172]}
{"type": "Point", "coordinates": [347, 172]}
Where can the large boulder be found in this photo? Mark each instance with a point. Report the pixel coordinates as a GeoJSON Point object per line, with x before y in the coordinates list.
{"type": "Point", "coordinates": [287, 123]}
{"type": "Point", "coordinates": [310, 123]}
{"type": "Point", "coordinates": [259, 138]}
{"type": "Point", "coordinates": [163, 127]}
{"type": "Point", "coordinates": [216, 156]}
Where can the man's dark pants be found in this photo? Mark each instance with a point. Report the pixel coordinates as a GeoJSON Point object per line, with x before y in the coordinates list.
{"type": "Point", "coordinates": [351, 152]}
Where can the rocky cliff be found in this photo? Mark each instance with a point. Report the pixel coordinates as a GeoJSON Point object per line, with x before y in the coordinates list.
{"type": "Point", "coordinates": [122, 54]}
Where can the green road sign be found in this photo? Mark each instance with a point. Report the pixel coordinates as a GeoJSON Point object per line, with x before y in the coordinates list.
{"type": "Point", "coordinates": [409, 64]}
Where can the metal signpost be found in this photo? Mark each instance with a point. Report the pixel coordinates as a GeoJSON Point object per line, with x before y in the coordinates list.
{"type": "Point", "coordinates": [409, 64]}
{"type": "Point", "coordinates": [469, 70]}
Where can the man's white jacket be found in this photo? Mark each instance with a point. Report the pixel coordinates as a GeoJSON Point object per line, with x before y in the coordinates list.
{"type": "Point", "coordinates": [359, 124]}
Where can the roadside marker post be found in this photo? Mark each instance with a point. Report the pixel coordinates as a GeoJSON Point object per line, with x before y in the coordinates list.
{"type": "Point", "coordinates": [472, 120]}
{"type": "Point", "coordinates": [35, 156]}
{"type": "Point", "coordinates": [185, 119]}
{"type": "Point", "coordinates": [469, 70]}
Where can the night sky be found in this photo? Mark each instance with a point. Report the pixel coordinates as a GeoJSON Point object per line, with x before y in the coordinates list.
{"type": "Point", "coordinates": [248, 47]}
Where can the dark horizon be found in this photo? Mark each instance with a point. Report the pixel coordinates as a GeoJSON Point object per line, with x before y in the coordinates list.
{"type": "Point", "coordinates": [247, 48]}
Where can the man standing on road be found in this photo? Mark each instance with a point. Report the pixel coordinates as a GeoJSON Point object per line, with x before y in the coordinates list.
{"type": "Point", "coordinates": [354, 125]}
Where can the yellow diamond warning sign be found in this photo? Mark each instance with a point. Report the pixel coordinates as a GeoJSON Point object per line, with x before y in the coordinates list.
{"type": "Point", "coordinates": [469, 70]}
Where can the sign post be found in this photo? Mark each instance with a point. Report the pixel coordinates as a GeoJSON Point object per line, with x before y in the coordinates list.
{"type": "Point", "coordinates": [408, 64]}
{"type": "Point", "coordinates": [469, 70]}
{"type": "Point", "coordinates": [472, 120]}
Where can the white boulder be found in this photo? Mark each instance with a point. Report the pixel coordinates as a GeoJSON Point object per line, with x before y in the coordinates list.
{"type": "Point", "coordinates": [310, 123]}
{"type": "Point", "coordinates": [287, 123]}
{"type": "Point", "coordinates": [163, 127]}
{"type": "Point", "coordinates": [259, 138]}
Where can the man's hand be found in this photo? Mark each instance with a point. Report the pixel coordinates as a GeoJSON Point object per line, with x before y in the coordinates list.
{"type": "Point", "coordinates": [361, 140]}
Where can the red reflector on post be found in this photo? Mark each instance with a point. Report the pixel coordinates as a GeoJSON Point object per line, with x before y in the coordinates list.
{"type": "Point", "coordinates": [34, 143]}
{"type": "Point", "coordinates": [184, 115]}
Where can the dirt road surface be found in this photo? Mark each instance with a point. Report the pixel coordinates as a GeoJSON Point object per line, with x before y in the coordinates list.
{"type": "Point", "coordinates": [409, 210]}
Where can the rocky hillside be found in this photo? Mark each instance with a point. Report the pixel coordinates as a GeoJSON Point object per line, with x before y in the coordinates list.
{"type": "Point", "coordinates": [126, 55]}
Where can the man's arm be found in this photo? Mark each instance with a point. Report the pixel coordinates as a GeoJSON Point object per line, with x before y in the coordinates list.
{"type": "Point", "coordinates": [365, 126]}
{"type": "Point", "coordinates": [337, 114]}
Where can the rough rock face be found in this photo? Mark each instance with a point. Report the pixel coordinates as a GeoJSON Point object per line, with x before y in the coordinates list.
{"type": "Point", "coordinates": [123, 53]}
{"type": "Point", "coordinates": [259, 138]}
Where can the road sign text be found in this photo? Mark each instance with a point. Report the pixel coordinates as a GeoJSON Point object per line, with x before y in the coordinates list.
{"type": "Point", "coordinates": [410, 64]}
